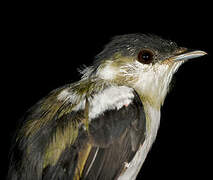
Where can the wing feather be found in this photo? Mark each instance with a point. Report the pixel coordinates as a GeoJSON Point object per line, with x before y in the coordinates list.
{"type": "Point", "coordinates": [54, 142]}
{"type": "Point", "coordinates": [117, 134]}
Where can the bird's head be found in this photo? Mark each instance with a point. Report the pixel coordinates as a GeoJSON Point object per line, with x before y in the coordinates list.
{"type": "Point", "coordinates": [143, 62]}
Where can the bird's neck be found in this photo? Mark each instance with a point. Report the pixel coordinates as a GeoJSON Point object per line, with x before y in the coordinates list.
{"type": "Point", "coordinates": [153, 85]}
{"type": "Point", "coordinates": [153, 96]}
{"type": "Point", "coordinates": [152, 119]}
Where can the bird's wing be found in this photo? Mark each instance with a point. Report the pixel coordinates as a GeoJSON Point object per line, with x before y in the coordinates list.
{"type": "Point", "coordinates": [116, 136]}
{"type": "Point", "coordinates": [55, 143]}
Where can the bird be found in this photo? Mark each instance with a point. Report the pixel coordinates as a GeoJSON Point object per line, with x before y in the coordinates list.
{"type": "Point", "coordinates": [102, 126]}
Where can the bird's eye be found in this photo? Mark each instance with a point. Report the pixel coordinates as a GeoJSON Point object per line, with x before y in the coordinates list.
{"type": "Point", "coordinates": [145, 56]}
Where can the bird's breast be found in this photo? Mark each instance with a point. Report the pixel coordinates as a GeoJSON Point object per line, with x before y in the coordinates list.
{"type": "Point", "coordinates": [133, 167]}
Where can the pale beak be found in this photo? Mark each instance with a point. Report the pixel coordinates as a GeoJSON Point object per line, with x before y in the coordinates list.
{"type": "Point", "coordinates": [189, 54]}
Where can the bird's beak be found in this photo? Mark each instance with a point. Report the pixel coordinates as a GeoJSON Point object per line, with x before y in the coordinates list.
{"type": "Point", "coordinates": [188, 54]}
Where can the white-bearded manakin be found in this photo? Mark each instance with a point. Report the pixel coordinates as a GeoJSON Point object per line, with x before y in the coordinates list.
{"type": "Point", "coordinates": [102, 126]}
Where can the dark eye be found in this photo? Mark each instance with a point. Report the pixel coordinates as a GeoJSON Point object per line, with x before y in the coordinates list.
{"type": "Point", "coordinates": [145, 56]}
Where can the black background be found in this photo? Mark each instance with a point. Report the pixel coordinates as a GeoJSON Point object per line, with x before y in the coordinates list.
{"type": "Point", "coordinates": [43, 45]}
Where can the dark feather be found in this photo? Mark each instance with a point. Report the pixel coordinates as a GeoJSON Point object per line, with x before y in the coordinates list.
{"type": "Point", "coordinates": [117, 135]}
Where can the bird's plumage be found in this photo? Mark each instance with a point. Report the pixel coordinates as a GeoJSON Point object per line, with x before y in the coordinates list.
{"type": "Point", "coordinates": [102, 126]}
{"type": "Point", "coordinates": [55, 144]}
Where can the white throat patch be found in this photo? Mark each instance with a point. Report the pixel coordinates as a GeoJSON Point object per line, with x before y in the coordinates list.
{"type": "Point", "coordinates": [152, 80]}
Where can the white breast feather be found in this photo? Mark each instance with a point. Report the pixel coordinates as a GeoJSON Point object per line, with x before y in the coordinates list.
{"type": "Point", "coordinates": [113, 97]}
{"type": "Point", "coordinates": [110, 98]}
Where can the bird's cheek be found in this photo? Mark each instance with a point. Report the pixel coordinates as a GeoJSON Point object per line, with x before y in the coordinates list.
{"type": "Point", "coordinates": [107, 73]}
